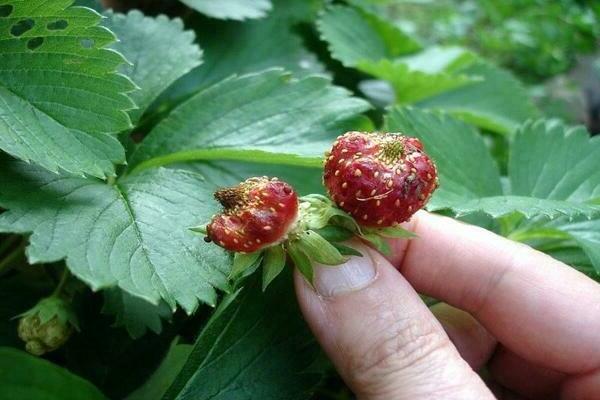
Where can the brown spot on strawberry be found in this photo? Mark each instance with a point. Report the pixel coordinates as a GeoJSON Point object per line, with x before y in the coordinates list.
{"type": "Point", "coordinates": [256, 213]}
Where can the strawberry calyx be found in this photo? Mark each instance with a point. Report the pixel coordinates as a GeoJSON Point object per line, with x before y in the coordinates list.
{"type": "Point", "coordinates": [48, 325]}
{"type": "Point", "coordinates": [316, 235]}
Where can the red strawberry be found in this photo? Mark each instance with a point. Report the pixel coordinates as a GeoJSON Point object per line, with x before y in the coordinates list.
{"type": "Point", "coordinates": [381, 179]}
{"type": "Point", "coordinates": [257, 213]}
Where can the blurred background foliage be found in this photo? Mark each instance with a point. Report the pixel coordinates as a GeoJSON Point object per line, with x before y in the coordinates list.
{"type": "Point", "coordinates": [551, 46]}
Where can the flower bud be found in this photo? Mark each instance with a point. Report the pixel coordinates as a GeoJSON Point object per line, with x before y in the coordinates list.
{"type": "Point", "coordinates": [47, 326]}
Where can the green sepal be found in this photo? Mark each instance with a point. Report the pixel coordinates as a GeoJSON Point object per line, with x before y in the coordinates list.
{"type": "Point", "coordinates": [378, 242]}
{"type": "Point", "coordinates": [347, 250]}
{"type": "Point", "coordinates": [317, 210]}
{"type": "Point", "coordinates": [201, 229]}
{"type": "Point", "coordinates": [242, 262]}
{"type": "Point", "coordinates": [50, 307]}
{"type": "Point", "coordinates": [333, 233]}
{"type": "Point", "coordinates": [394, 232]}
{"type": "Point", "coordinates": [319, 249]}
{"type": "Point", "coordinates": [302, 262]}
{"type": "Point", "coordinates": [273, 263]}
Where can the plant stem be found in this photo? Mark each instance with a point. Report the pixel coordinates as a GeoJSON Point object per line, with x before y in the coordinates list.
{"type": "Point", "coordinates": [61, 284]}
{"type": "Point", "coordinates": [6, 244]}
{"type": "Point", "coordinates": [8, 261]}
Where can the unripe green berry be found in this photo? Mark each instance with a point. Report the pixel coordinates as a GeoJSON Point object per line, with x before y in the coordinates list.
{"type": "Point", "coordinates": [47, 326]}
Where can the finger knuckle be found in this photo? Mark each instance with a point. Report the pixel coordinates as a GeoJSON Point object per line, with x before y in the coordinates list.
{"type": "Point", "coordinates": [404, 344]}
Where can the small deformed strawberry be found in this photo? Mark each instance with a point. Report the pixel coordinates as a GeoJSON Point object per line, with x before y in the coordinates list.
{"type": "Point", "coordinates": [380, 179]}
{"type": "Point", "coordinates": [257, 213]}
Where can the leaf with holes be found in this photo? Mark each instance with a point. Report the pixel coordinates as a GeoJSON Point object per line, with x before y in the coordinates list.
{"type": "Point", "coordinates": [159, 50]}
{"type": "Point", "coordinates": [132, 234]}
{"type": "Point", "coordinates": [61, 99]}
{"type": "Point", "coordinates": [269, 116]}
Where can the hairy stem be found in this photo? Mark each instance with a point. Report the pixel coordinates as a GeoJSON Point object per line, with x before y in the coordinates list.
{"type": "Point", "coordinates": [63, 281]}
{"type": "Point", "coordinates": [8, 262]}
{"type": "Point", "coordinates": [8, 243]}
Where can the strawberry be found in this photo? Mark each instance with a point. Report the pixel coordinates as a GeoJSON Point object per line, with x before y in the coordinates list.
{"type": "Point", "coordinates": [257, 213]}
{"type": "Point", "coordinates": [380, 179]}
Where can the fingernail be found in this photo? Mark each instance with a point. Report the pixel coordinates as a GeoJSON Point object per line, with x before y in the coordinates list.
{"type": "Point", "coordinates": [355, 274]}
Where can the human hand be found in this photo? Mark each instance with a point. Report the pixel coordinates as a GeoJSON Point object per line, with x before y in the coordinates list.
{"type": "Point", "coordinates": [532, 321]}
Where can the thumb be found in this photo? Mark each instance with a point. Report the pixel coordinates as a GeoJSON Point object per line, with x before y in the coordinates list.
{"type": "Point", "coordinates": [381, 337]}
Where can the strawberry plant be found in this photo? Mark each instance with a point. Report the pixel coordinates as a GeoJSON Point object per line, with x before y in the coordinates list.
{"type": "Point", "coordinates": [117, 127]}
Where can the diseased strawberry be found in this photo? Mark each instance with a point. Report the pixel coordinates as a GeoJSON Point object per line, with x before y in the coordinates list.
{"type": "Point", "coordinates": [257, 213]}
{"type": "Point", "coordinates": [381, 179]}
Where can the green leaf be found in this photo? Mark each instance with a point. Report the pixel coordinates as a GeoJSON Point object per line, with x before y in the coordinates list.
{"type": "Point", "coordinates": [319, 249]}
{"type": "Point", "coordinates": [552, 172]}
{"type": "Point", "coordinates": [424, 74]}
{"type": "Point", "coordinates": [347, 250]}
{"type": "Point", "coordinates": [551, 168]}
{"type": "Point", "coordinates": [499, 102]}
{"type": "Point", "coordinates": [466, 169]}
{"type": "Point", "coordinates": [244, 155]}
{"type": "Point", "coordinates": [394, 232]}
{"type": "Point", "coordinates": [133, 234]}
{"type": "Point", "coordinates": [272, 265]}
{"type": "Point", "coordinates": [373, 45]}
{"type": "Point", "coordinates": [231, 9]}
{"type": "Point", "coordinates": [301, 261]}
{"type": "Point", "coordinates": [136, 315]}
{"type": "Point", "coordinates": [201, 229]}
{"type": "Point", "coordinates": [529, 207]}
{"type": "Point", "coordinates": [267, 43]}
{"type": "Point", "coordinates": [577, 258]}
{"type": "Point", "coordinates": [229, 173]}
{"type": "Point", "coordinates": [317, 211]}
{"type": "Point", "coordinates": [380, 243]}
{"type": "Point", "coordinates": [269, 112]}
{"type": "Point", "coordinates": [51, 307]}
{"type": "Point", "coordinates": [60, 96]}
{"type": "Point", "coordinates": [243, 261]}
{"type": "Point", "coordinates": [25, 377]}
{"type": "Point", "coordinates": [255, 346]}
{"type": "Point", "coordinates": [552, 161]}
{"type": "Point", "coordinates": [354, 36]}
{"type": "Point", "coordinates": [437, 59]}
{"type": "Point", "coordinates": [157, 385]}
{"type": "Point", "coordinates": [413, 85]}
{"type": "Point", "coordinates": [334, 233]}
{"type": "Point", "coordinates": [587, 235]}
{"type": "Point", "coordinates": [104, 355]}
{"type": "Point", "coordinates": [160, 50]}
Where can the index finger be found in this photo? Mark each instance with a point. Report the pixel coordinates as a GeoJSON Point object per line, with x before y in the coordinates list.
{"type": "Point", "coordinates": [540, 308]}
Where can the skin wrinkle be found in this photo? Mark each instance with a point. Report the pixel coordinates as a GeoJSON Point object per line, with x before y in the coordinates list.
{"type": "Point", "coordinates": [543, 312]}
{"type": "Point", "coordinates": [402, 345]}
